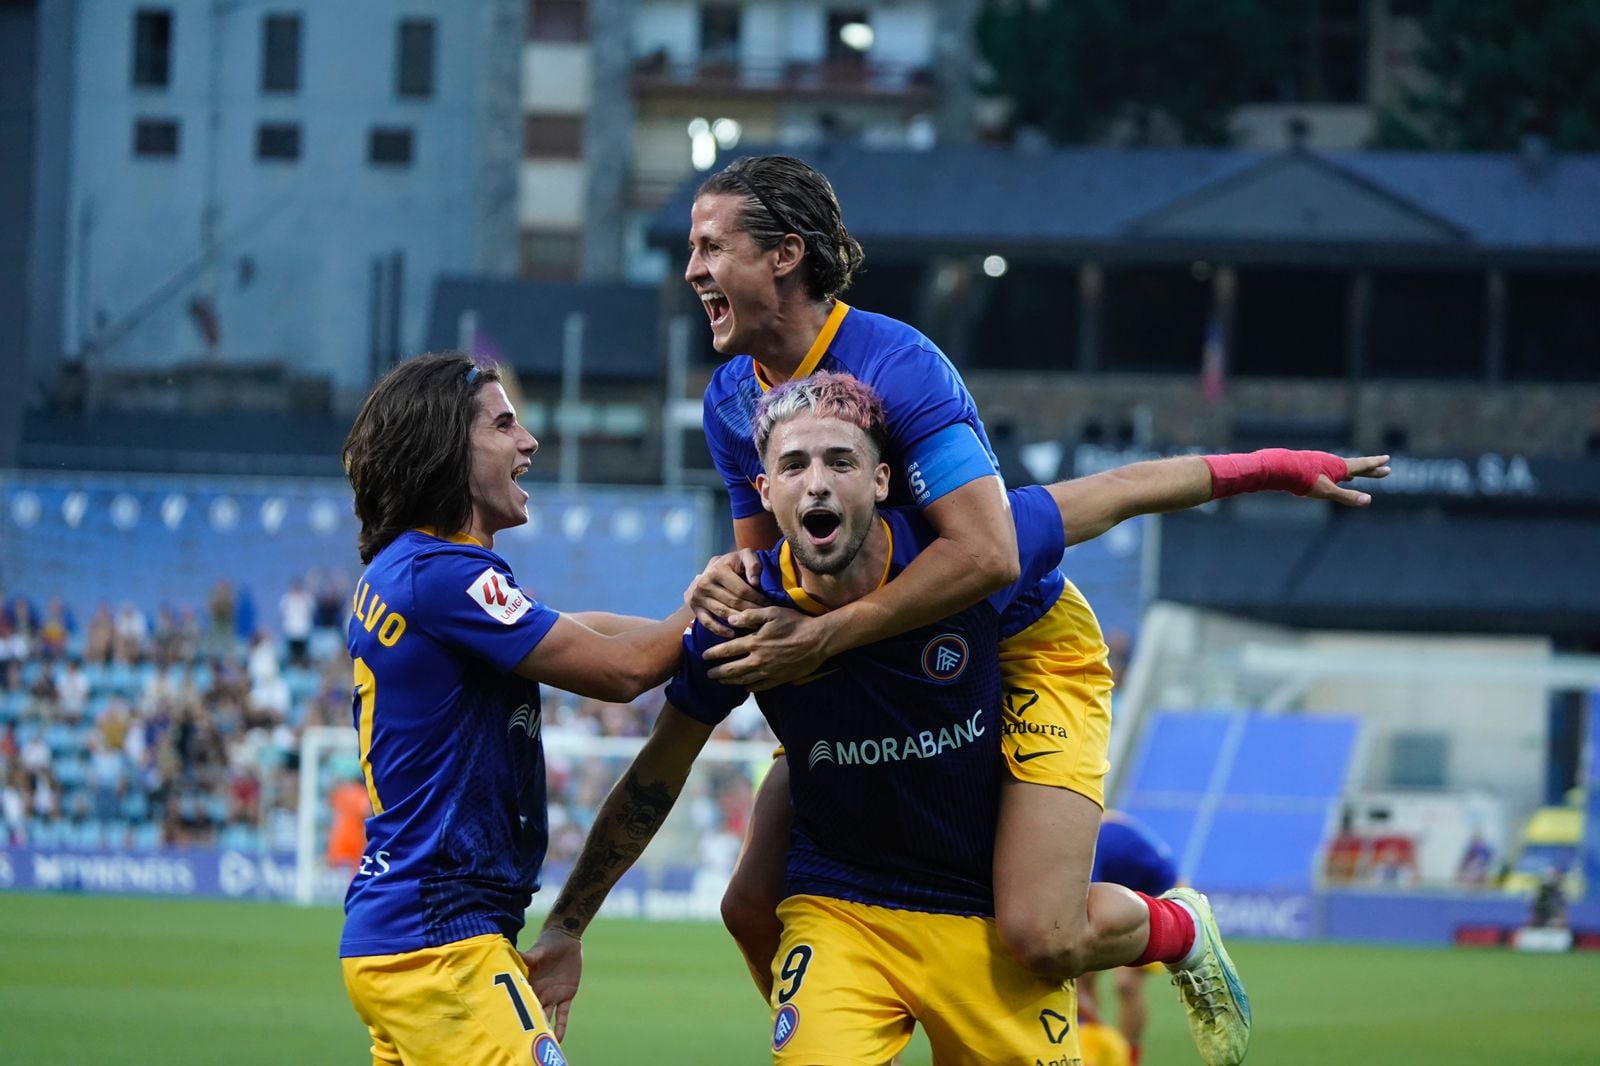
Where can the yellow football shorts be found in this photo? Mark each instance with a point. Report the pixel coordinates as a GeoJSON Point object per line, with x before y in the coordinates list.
{"type": "Point", "coordinates": [463, 1002]}
{"type": "Point", "coordinates": [1056, 716]}
{"type": "Point", "coordinates": [851, 980]}
{"type": "Point", "coordinates": [1104, 1046]}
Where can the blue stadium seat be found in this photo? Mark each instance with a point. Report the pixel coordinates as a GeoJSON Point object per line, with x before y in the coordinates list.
{"type": "Point", "coordinates": [1178, 752]}
{"type": "Point", "coordinates": [1262, 826]}
{"type": "Point", "coordinates": [1292, 755]}
{"type": "Point", "coordinates": [1273, 850]}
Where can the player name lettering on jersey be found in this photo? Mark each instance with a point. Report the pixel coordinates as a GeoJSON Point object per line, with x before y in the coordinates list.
{"type": "Point", "coordinates": [368, 606]}
{"type": "Point", "coordinates": [499, 598]}
{"type": "Point", "coordinates": [374, 865]}
{"type": "Point", "coordinates": [924, 745]}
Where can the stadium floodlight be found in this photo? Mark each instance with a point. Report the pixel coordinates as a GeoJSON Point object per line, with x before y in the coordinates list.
{"type": "Point", "coordinates": [995, 265]}
{"type": "Point", "coordinates": [727, 132]}
{"type": "Point", "coordinates": [857, 35]}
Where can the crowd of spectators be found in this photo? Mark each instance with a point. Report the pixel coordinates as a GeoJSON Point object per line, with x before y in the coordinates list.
{"type": "Point", "coordinates": [181, 725]}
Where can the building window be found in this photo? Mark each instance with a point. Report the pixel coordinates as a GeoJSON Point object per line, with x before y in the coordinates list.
{"type": "Point", "coordinates": [548, 256]}
{"type": "Point", "coordinates": [719, 33]}
{"type": "Point", "coordinates": [278, 140]}
{"type": "Point", "coordinates": [152, 48]}
{"type": "Point", "coordinates": [155, 137]}
{"type": "Point", "coordinates": [280, 54]}
{"type": "Point", "coordinates": [389, 147]}
{"type": "Point", "coordinates": [415, 68]}
{"type": "Point", "coordinates": [552, 137]}
{"type": "Point", "coordinates": [558, 20]}
{"type": "Point", "coordinates": [1326, 62]}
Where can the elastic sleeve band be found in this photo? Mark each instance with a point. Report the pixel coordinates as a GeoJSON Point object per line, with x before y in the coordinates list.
{"type": "Point", "coordinates": [1272, 468]}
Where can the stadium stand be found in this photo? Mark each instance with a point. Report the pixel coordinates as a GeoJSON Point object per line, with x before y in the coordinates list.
{"type": "Point", "coordinates": [1245, 799]}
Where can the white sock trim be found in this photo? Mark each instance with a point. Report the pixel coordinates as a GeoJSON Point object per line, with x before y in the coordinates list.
{"type": "Point", "coordinates": [1198, 950]}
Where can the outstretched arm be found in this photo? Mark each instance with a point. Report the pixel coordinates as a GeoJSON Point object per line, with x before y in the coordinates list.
{"type": "Point", "coordinates": [615, 661]}
{"type": "Point", "coordinates": [626, 823]}
{"type": "Point", "coordinates": [1091, 505]}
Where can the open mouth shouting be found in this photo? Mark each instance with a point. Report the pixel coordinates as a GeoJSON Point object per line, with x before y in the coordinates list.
{"type": "Point", "coordinates": [821, 526]}
{"type": "Point", "coordinates": [716, 305]}
{"type": "Point", "coordinates": [516, 472]}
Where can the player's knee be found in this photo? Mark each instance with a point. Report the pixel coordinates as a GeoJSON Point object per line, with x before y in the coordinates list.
{"type": "Point", "coordinates": [1042, 945]}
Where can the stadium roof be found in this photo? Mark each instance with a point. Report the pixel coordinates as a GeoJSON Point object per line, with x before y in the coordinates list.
{"type": "Point", "coordinates": [1077, 200]}
{"type": "Point", "coordinates": [526, 321]}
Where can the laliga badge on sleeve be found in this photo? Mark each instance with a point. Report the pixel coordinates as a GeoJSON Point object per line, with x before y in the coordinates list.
{"type": "Point", "coordinates": [499, 598]}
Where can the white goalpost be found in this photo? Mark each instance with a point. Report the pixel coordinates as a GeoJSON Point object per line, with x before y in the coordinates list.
{"type": "Point", "coordinates": [682, 873]}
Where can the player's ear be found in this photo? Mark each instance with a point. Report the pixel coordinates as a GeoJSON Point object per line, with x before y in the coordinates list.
{"type": "Point", "coordinates": [762, 484]}
{"type": "Point", "coordinates": [790, 253]}
{"type": "Point", "coordinates": [880, 482]}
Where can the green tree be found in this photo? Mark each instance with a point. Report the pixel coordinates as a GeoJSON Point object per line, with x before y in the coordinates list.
{"type": "Point", "coordinates": [1496, 70]}
{"type": "Point", "coordinates": [1075, 68]}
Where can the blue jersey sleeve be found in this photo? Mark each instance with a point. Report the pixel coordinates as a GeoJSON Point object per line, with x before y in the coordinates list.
{"type": "Point", "coordinates": [692, 692]}
{"type": "Point", "coordinates": [469, 601]}
{"type": "Point", "coordinates": [934, 422]}
{"type": "Point", "coordinates": [1041, 540]}
{"type": "Point", "coordinates": [727, 433]}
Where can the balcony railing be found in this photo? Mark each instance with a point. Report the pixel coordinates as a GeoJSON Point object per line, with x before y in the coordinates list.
{"type": "Point", "coordinates": [659, 73]}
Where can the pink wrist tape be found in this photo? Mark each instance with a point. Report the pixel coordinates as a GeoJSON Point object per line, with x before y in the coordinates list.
{"type": "Point", "coordinates": [1272, 468]}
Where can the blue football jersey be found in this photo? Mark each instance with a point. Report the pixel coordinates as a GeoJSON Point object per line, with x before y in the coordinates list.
{"type": "Point", "coordinates": [937, 441]}
{"type": "Point", "coordinates": [1129, 853]}
{"type": "Point", "coordinates": [450, 747]}
{"type": "Point", "coordinates": [894, 757]}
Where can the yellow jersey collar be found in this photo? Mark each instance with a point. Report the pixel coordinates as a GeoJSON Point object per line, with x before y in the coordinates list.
{"type": "Point", "coordinates": [453, 538]}
{"type": "Point", "coordinates": [819, 347]}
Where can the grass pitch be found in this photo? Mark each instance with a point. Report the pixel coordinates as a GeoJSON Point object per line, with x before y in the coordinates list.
{"type": "Point", "coordinates": [152, 981]}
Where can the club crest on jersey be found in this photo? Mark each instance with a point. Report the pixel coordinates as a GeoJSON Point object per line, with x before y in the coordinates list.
{"type": "Point", "coordinates": [945, 657]}
{"type": "Point", "coordinates": [784, 1026]}
{"type": "Point", "coordinates": [546, 1052]}
{"type": "Point", "coordinates": [499, 598]}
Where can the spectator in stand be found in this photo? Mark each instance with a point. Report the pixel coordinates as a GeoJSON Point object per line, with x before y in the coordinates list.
{"type": "Point", "coordinates": [132, 634]}
{"type": "Point", "coordinates": [220, 612]}
{"type": "Point", "coordinates": [73, 688]}
{"type": "Point", "coordinates": [14, 804]}
{"type": "Point", "coordinates": [333, 599]}
{"type": "Point", "coordinates": [55, 632]}
{"type": "Point", "coordinates": [13, 649]}
{"type": "Point", "coordinates": [296, 611]}
{"type": "Point", "coordinates": [24, 626]}
{"type": "Point", "coordinates": [186, 646]}
{"type": "Point", "coordinates": [101, 635]}
{"type": "Point", "coordinates": [44, 702]}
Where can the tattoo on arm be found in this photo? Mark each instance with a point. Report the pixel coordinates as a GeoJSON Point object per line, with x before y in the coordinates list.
{"type": "Point", "coordinates": [627, 821]}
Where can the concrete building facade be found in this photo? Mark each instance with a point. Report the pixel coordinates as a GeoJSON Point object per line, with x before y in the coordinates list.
{"type": "Point", "coordinates": [260, 182]}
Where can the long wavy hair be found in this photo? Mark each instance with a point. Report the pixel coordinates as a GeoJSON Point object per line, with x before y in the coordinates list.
{"type": "Point", "coordinates": [409, 451]}
{"type": "Point", "coordinates": [783, 195]}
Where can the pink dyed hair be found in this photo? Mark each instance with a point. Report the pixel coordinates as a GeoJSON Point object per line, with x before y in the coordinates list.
{"type": "Point", "coordinates": [825, 395]}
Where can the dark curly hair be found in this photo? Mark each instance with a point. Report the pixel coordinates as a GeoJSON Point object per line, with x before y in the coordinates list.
{"type": "Point", "coordinates": [784, 195]}
{"type": "Point", "coordinates": [409, 451]}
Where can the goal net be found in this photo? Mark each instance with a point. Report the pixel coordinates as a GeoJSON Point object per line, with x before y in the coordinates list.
{"type": "Point", "coordinates": [683, 872]}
